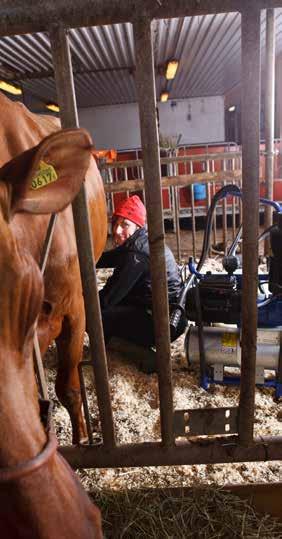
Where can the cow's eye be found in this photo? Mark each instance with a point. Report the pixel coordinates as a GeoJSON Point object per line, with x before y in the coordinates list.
{"type": "Point", "coordinates": [46, 307]}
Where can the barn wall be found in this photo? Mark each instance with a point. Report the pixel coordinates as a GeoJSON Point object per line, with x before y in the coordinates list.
{"type": "Point", "coordinates": [199, 120]}
{"type": "Point", "coordinates": [233, 97]}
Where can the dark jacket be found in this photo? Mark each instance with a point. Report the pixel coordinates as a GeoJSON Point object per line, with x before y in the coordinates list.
{"type": "Point", "coordinates": [130, 283]}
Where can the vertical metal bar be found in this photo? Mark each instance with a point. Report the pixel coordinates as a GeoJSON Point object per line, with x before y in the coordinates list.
{"type": "Point", "coordinates": [233, 216]}
{"type": "Point", "coordinates": [224, 223]}
{"type": "Point", "coordinates": [214, 224]}
{"type": "Point", "coordinates": [140, 174]}
{"type": "Point", "coordinates": [177, 224]}
{"type": "Point", "coordinates": [152, 176]}
{"type": "Point", "coordinates": [250, 170]}
{"type": "Point", "coordinates": [171, 194]}
{"type": "Point", "coordinates": [215, 221]}
{"type": "Point", "coordinates": [85, 403]}
{"type": "Point", "coordinates": [193, 215]}
{"type": "Point", "coordinates": [177, 216]}
{"type": "Point", "coordinates": [111, 202]}
{"type": "Point", "coordinates": [208, 200]}
{"type": "Point", "coordinates": [279, 370]}
{"type": "Point", "coordinates": [125, 179]}
{"type": "Point", "coordinates": [240, 205]}
{"type": "Point", "coordinates": [233, 205]}
{"type": "Point", "coordinates": [224, 215]}
{"type": "Point", "coordinates": [199, 323]}
{"type": "Point", "coordinates": [115, 179]}
{"type": "Point", "coordinates": [171, 190]}
{"type": "Point", "coordinates": [193, 221]}
{"type": "Point", "coordinates": [67, 102]}
{"type": "Point", "coordinates": [269, 117]}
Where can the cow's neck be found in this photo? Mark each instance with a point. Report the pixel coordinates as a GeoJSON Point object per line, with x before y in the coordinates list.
{"type": "Point", "coordinates": [22, 434]}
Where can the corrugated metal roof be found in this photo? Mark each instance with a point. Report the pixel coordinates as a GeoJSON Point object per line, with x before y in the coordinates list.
{"type": "Point", "coordinates": [208, 49]}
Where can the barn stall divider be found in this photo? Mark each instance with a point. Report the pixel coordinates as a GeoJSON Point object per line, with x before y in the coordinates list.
{"type": "Point", "coordinates": [184, 170]}
{"type": "Point", "coordinates": [220, 168]}
{"type": "Point", "coordinates": [240, 446]}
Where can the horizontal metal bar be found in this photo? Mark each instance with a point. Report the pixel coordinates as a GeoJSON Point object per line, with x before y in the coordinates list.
{"type": "Point", "coordinates": [205, 451]}
{"type": "Point", "coordinates": [178, 159]}
{"type": "Point", "coordinates": [23, 16]}
{"type": "Point", "coordinates": [47, 73]}
{"type": "Point", "coordinates": [178, 181]}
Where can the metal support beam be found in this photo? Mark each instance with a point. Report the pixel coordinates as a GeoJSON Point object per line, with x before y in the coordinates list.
{"type": "Point", "coordinates": [69, 118]}
{"type": "Point", "coordinates": [145, 84]}
{"type": "Point", "coordinates": [269, 116]}
{"type": "Point", "coordinates": [250, 184]}
{"type": "Point", "coordinates": [207, 451]}
{"type": "Point", "coordinates": [23, 16]}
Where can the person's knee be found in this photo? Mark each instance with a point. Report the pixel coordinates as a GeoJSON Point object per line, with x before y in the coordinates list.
{"type": "Point", "coordinates": [108, 322]}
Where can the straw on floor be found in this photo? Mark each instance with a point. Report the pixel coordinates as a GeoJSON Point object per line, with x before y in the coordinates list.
{"type": "Point", "coordinates": [210, 513]}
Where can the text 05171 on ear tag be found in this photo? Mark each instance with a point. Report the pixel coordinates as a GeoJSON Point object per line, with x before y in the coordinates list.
{"type": "Point", "coordinates": [45, 175]}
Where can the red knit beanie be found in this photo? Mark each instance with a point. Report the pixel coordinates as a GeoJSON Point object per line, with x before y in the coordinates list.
{"type": "Point", "coordinates": [133, 209]}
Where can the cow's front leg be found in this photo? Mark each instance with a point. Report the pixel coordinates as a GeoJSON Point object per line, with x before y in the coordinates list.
{"type": "Point", "coordinates": [69, 348]}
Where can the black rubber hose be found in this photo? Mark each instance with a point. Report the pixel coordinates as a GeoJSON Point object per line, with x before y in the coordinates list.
{"type": "Point", "coordinates": [179, 309]}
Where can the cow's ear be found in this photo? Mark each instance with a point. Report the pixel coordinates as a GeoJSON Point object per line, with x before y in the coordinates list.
{"type": "Point", "coordinates": [46, 178]}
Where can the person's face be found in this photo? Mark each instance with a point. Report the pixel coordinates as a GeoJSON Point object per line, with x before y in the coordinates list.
{"type": "Point", "coordinates": [122, 230]}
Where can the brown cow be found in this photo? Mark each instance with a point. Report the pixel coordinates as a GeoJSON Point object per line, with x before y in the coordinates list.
{"type": "Point", "coordinates": [40, 496]}
{"type": "Point", "coordinates": [62, 317]}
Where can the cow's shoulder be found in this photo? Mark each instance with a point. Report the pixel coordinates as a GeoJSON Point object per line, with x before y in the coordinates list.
{"type": "Point", "coordinates": [21, 129]}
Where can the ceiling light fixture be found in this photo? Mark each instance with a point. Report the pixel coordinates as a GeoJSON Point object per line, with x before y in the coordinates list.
{"type": "Point", "coordinates": [171, 69]}
{"type": "Point", "coordinates": [164, 97]}
{"type": "Point", "coordinates": [232, 108]}
{"type": "Point", "coordinates": [53, 107]}
{"type": "Point", "coordinates": [10, 88]}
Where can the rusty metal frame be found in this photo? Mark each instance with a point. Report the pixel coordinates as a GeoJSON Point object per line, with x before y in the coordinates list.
{"type": "Point", "coordinates": [269, 116]}
{"type": "Point", "coordinates": [66, 97]}
{"type": "Point", "coordinates": [203, 451]}
{"type": "Point", "coordinates": [182, 180]}
{"type": "Point", "coordinates": [145, 82]}
{"type": "Point", "coordinates": [56, 16]}
{"type": "Point", "coordinates": [22, 17]}
{"type": "Point", "coordinates": [250, 188]}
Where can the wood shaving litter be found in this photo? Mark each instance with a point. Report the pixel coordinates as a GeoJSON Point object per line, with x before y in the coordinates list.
{"type": "Point", "coordinates": [135, 400]}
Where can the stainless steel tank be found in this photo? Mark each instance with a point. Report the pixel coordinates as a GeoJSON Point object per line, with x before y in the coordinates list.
{"type": "Point", "coordinates": [222, 346]}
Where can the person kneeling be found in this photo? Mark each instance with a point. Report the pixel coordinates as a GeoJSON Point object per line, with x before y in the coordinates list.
{"type": "Point", "coordinates": [126, 299]}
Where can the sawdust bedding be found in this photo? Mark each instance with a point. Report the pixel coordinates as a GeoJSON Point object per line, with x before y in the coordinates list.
{"type": "Point", "coordinates": [135, 409]}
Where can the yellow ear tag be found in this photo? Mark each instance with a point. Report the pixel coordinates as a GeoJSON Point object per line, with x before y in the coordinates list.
{"type": "Point", "coordinates": [45, 175]}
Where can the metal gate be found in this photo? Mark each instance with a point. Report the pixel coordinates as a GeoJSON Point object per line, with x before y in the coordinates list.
{"type": "Point", "coordinates": [56, 18]}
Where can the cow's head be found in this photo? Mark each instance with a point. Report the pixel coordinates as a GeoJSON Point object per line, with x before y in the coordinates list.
{"type": "Point", "coordinates": [44, 179]}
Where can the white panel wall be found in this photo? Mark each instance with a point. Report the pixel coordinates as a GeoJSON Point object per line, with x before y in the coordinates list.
{"type": "Point", "coordinates": [198, 120]}
{"type": "Point", "coordinates": [112, 127]}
